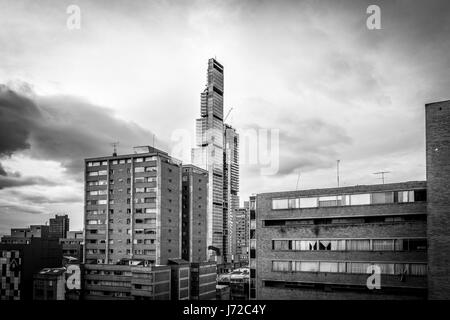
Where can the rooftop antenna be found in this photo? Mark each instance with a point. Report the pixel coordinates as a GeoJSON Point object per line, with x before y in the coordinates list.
{"type": "Point", "coordinates": [229, 111]}
{"type": "Point", "coordinates": [382, 173]}
{"type": "Point", "coordinates": [114, 145]}
{"type": "Point", "coordinates": [298, 180]}
{"type": "Point", "coordinates": [337, 171]}
{"type": "Point", "coordinates": [153, 142]}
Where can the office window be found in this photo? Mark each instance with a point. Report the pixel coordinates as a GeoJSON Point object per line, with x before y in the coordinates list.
{"type": "Point", "coordinates": [280, 265]}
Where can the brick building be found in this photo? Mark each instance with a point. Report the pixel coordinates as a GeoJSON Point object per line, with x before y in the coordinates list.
{"type": "Point", "coordinates": [323, 243]}
{"type": "Point", "coordinates": [132, 208]}
{"type": "Point", "coordinates": [194, 213]}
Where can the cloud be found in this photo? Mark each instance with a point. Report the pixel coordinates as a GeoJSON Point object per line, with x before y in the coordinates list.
{"type": "Point", "coordinates": [66, 129]}
{"type": "Point", "coordinates": [19, 181]}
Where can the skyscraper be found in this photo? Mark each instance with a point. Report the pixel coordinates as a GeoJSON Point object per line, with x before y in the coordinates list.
{"type": "Point", "coordinates": [213, 153]}
{"type": "Point", "coordinates": [230, 188]}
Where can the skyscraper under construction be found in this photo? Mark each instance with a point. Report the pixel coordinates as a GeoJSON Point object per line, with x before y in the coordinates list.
{"type": "Point", "coordinates": [217, 145]}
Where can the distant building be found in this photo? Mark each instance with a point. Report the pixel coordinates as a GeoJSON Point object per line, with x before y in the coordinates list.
{"type": "Point", "coordinates": [72, 246]}
{"type": "Point", "coordinates": [240, 236]}
{"type": "Point", "coordinates": [222, 292]}
{"type": "Point", "coordinates": [59, 226]}
{"type": "Point", "coordinates": [23, 235]}
{"type": "Point", "coordinates": [203, 280]}
{"type": "Point", "coordinates": [50, 284]}
{"type": "Point", "coordinates": [127, 282]}
{"type": "Point", "coordinates": [180, 279]}
{"type": "Point", "coordinates": [194, 213]}
{"type": "Point", "coordinates": [20, 261]}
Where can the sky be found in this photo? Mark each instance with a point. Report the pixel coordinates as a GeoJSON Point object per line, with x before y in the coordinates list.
{"type": "Point", "coordinates": [309, 71]}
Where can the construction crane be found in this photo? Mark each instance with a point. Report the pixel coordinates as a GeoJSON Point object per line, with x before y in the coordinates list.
{"type": "Point", "coordinates": [229, 111]}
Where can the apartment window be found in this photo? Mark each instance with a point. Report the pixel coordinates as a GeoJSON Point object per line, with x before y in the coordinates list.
{"type": "Point", "coordinates": [386, 268]}
{"type": "Point", "coordinates": [310, 202]}
{"type": "Point", "coordinates": [358, 245]}
{"type": "Point", "coordinates": [139, 160]}
{"type": "Point", "coordinates": [305, 266]}
{"type": "Point", "coordinates": [328, 267]}
{"type": "Point", "coordinates": [281, 244]}
{"type": "Point", "coordinates": [405, 196]}
{"type": "Point", "coordinates": [416, 269]}
{"type": "Point", "coordinates": [280, 204]}
{"type": "Point", "coordinates": [150, 169]}
{"type": "Point", "coordinates": [139, 179]}
{"type": "Point", "coordinates": [417, 244]}
{"type": "Point", "coordinates": [103, 201]}
{"type": "Point", "coordinates": [382, 197]}
{"type": "Point", "coordinates": [330, 201]}
{"type": "Point", "coordinates": [357, 267]}
{"type": "Point", "coordinates": [280, 265]}
{"type": "Point", "coordinates": [93, 173]}
{"type": "Point", "coordinates": [139, 169]}
{"type": "Point", "coordinates": [138, 190]}
{"type": "Point", "coordinates": [383, 245]}
{"type": "Point", "coordinates": [360, 199]}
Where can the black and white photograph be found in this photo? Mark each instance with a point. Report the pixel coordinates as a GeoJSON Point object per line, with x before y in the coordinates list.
{"type": "Point", "coordinates": [218, 155]}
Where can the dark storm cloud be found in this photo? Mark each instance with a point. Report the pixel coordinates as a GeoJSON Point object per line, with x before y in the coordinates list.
{"type": "Point", "coordinates": [2, 171]}
{"type": "Point", "coordinates": [43, 199]}
{"type": "Point", "coordinates": [8, 181]}
{"type": "Point", "coordinates": [308, 144]}
{"type": "Point", "coordinates": [63, 128]}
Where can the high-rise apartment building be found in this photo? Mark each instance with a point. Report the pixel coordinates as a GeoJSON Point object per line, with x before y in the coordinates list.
{"type": "Point", "coordinates": [216, 144]}
{"type": "Point", "coordinates": [58, 226]}
{"type": "Point", "coordinates": [240, 234]}
{"type": "Point", "coordinates": [133, 208]}
{"type": "Point", "coordinates": [194, 211]}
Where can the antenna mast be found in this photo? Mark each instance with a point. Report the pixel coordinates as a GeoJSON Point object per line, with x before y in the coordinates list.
{"type": "Point", "coordinates": [114, 145]}
{"type": "Point", "coordinates": [337, 171]}
{"type": "Point", "coordinates": [382, 173]}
